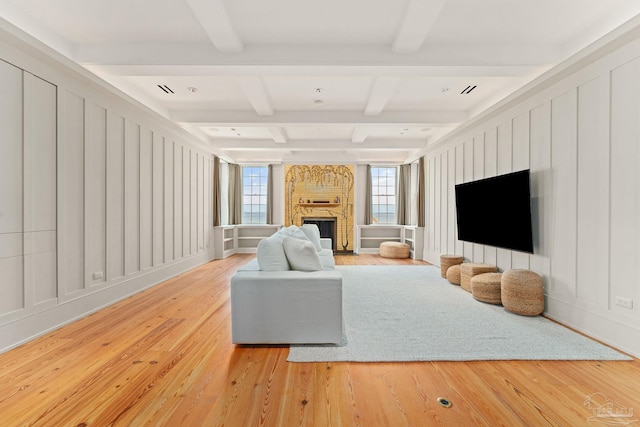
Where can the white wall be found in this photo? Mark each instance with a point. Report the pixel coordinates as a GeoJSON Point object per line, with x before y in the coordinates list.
{"type": "Point", "coordinates": [278, 196]}
{"type": "Point", "coordinates": [579, 133]}
{"type": "Point", "coordinates": [101, 198]}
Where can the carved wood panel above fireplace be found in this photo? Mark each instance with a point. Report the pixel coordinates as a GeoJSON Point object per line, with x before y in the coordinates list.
{"type": "Point", "coordinates": [321, 192]}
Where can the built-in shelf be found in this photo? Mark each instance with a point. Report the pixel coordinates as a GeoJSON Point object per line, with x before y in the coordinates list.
{"type": "Point", "coordinates": [369, 237]}
{"type": "Point", "coordinates": [414, 237]}
{"type": "Point", "coordinates": [241, 238]}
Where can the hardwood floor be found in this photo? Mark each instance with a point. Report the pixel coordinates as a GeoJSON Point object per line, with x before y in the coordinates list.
{"type": "Point", "coordinates": [164, 358]}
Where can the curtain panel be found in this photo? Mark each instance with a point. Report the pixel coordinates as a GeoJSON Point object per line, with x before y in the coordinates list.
{"type": "Point", "coordinates": [404, 199]}
{"type": "Point", "coordinates": [270, 194]}
{"type": "Point", "coordinates": [421, 193]}
{"type": "Point", "coordinates": [368, 216]}
{"type": "Point", "coordinates": [217, 195]}
{"type": "Point", "coordinates": [235, 194]}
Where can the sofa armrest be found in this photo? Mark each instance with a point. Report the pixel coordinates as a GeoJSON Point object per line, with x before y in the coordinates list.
{"type": "Point", "coordinates": [326, 243]}
{"type": "Point", "coordinates": [286, 307]}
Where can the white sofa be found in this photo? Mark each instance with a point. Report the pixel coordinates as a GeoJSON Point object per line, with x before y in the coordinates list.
{"type": "Point", "coordinates": [273, 303]}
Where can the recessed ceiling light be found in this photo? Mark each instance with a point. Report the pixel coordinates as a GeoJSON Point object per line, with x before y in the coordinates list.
{"type": "Point", "coordinates": [233, 129]}
{"type": "Point", "coordinates": [318, 101]}
{"type": "Point", "coordinates": [318, 90]}
{"type": "Point", "coordinates": [445, 90]}
{"type": "Point", "coordinates": [192, 89]}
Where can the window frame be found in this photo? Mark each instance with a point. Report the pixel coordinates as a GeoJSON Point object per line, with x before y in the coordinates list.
{"type": "Point", "coordinates": [258, 191]}
{"type": "Point", "coordinates": [390, 213]}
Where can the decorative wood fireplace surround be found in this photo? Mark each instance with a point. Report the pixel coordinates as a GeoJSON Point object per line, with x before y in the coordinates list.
{"type": "Point", "coordinates": [322, 195]}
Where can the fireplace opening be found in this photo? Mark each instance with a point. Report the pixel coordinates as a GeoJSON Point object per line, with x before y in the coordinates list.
{"type": "Point", "coordinates": [327, 227]}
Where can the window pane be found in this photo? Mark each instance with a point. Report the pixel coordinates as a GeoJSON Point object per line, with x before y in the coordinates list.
{"type": "Point", "coordinates": [254, 192]}
{"type": "Point", "coordinates": [383, 191]}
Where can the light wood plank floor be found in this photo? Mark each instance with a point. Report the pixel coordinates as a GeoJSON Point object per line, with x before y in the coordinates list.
{"type": "Point", "coordinates": [164, 358]}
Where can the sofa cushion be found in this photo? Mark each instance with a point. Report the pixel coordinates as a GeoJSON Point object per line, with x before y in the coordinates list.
{"type": "Point", "coordinates": [326, 257]}
{"type": "Point", "coordinates": [313, 234]}
{"type": "Point", "coordinates": [271, 256]}
{"type": "Point", "coordinates": [301, 254]}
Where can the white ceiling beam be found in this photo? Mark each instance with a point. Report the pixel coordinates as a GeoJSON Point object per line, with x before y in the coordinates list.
{"type": "Point", "coordinates": [278, 134]}
{"type": "Point", "coordinates": [316, 58]}
{"type": "Point", "coordinates": [359, 135]}
{"type": "Point", "coordinates": [314, 145]}
{"type": "Point", "coordinates": [256, 92]}
{"type": "Point", "coordinates": [319, 118]}
{"type": "Point", "coordinates": [383, 89]}
{"type": "Point", "coordinates": [419, 16]}
{"type": "Point", "coordinates": [214, 20]}
{"type": "Point", "coordinates": [304, 71]}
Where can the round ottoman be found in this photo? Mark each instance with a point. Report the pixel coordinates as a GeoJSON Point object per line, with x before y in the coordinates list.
{"type": "Point", "coordinates": [522, 292]}
{"type": "Point", "coordinates": [394, 250]}
{"type": "Point", "coordinates": [485, 287]}
{"type": "Point", "coordinates": [470, 269]}
{"type": "Point", "coordinates": [453, 274]}
{"type": "Point", "coordinates": [447, 261]}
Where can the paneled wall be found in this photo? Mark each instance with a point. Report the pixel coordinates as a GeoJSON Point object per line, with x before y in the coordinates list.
{"type": "Point", "coordinates": [134, 197]}
{"type": "Point", "coordinates": [27, 192]}
{"type": "Point", "coordinates": [580, 136]}
{"type": "Point", "coordinates": [100, 198]}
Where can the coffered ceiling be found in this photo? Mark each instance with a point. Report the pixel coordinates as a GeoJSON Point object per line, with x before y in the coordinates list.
{"type": "Point", "coordinates": [303, 81]}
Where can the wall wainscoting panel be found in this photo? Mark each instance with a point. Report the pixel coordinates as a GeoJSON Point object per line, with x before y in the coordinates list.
{"type": "Point", "coordinates": [106, 199]}
{"type": "Point", "coordinates": [580, 137]}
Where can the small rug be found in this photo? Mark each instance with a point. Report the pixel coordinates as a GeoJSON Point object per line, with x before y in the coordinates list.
{"type": "Point", "coordinates": [410, 313]}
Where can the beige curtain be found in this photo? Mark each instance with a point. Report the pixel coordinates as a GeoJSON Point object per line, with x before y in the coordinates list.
{"type": "Point", "coordinates": [368, 215]}
{"type": "Point", "coordinates": [235, 194]}
{"type": "Point", "coordinates": [421, 193]}
{"type": "Point", "coordinates": [270, 194]}
{"type": "Point", "coordinates": [404, 185]}
{"type": "Point", "coordinates": [217, 196]}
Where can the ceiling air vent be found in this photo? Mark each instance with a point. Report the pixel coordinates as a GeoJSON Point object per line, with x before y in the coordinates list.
{"type": "Point", "coordinates": [165, 88]}
{"type": "Point", "coordinates": [468, 90]}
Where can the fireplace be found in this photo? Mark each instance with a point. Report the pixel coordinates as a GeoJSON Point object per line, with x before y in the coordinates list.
{"type": "Point", "coordinates": [327, 227]}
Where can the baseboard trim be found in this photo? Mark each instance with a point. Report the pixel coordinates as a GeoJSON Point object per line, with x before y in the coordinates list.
{"type": "Point", "coordinates": [612, 332]}
{"type": "Point", "coordinates": [25, 329]}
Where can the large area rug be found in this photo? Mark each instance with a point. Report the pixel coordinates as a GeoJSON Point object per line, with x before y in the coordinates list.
{"type": "Point", "coordinates": [410, 313]}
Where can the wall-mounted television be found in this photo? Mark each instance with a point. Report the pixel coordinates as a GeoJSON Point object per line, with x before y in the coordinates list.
{"type": "Point", "coordinates": [496, 211]}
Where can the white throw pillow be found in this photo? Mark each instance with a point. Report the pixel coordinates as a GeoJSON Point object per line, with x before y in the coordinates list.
{"type": "Point", "coordinates": [313, 234]}
{"type": "Point", "coordinates": [301, 254]}
{"type": "Point", "coordinates": [270, 255]}
{"type": "Point", "coordinates": [298, 234]}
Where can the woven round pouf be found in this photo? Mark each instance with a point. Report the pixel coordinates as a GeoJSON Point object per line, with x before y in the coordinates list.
{"type": "Point", "coordinates": [522, 292]}
{"type": "Point", "coordinates": [470, 269]}
{"type": "Point", "coordinates": [485, 287]}
{"type": "Point", "coordinates": [394, 250]}
{"type": "Point", "coordinates": [447, 261]}
{"type": "Point", "coordinates": [453, 274]}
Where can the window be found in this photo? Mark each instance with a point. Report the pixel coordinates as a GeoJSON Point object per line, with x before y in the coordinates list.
{"type": "Point", "coordinates": [383, 194]}
{"type": "Point", "coordinates": [254, 194]}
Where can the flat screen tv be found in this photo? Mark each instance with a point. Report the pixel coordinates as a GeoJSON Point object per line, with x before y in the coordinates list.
{"type": "Point", "coordinates": [496, 211]}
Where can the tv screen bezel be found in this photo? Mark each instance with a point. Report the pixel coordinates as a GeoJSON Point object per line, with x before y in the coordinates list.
{"type": "Point", "coordinates": [487, 210]}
